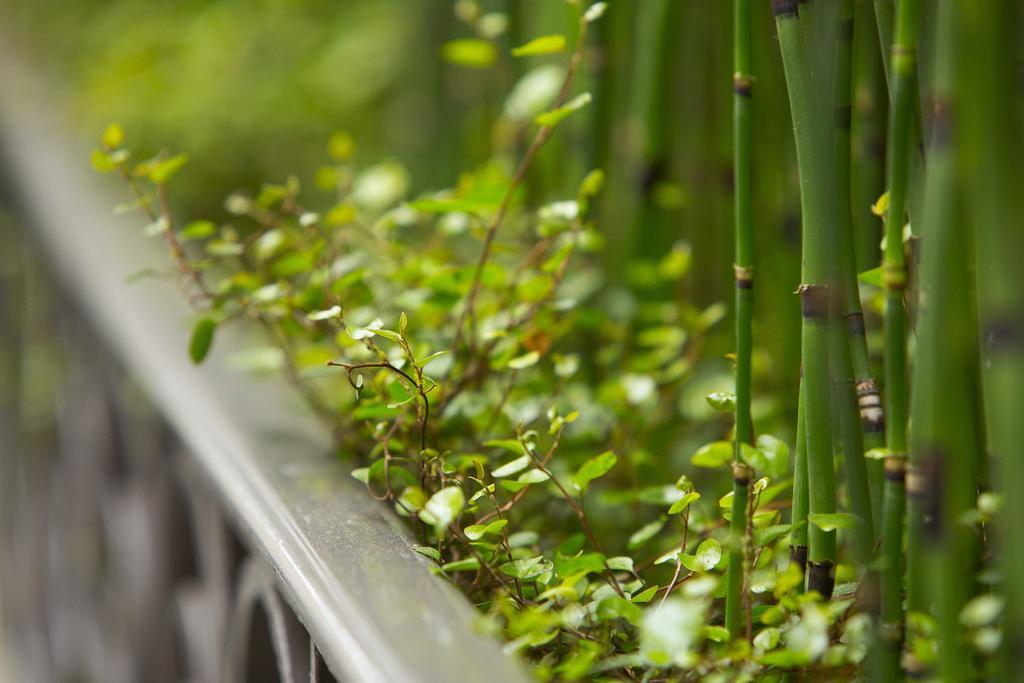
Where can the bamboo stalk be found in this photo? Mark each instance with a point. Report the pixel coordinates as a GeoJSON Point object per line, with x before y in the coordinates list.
{"type": "Point", "coordinates": [941, 552]}
{"type": "Point", "coordinates": [801, 502]}
{"type": "Point", "coordinates": [744, 276]}
{"type": "Point", "coordinates": [848, 340]}
{"type": "Point", "coordinates": [894, 275]}
{"type": "Point", "coordinates": [989, 161]}
{"type": "Point", "coordinates": [812, 139]}
{"type": "Point", "coordinates": [870, 102]}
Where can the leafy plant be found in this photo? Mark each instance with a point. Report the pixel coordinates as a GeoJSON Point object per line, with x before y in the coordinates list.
{"type": "Point", "coordinates": [533, 418]}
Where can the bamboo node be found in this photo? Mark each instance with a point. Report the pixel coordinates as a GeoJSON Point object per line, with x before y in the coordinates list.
{"type": "Point", "coordinates": [742, 84]}
{"type": "Point", "coordinates": [744, 276]}
{"type": "Point", "coordinates": [783, 7]}
{"type": "Point", "coordinates": [894, 276]}
{"type": "Point", "coordinates": [742, 473]}
{"type": "Point", "coordinates": [814, 300]}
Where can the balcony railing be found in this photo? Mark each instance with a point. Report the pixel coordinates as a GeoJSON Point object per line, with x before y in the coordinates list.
{"type": "Point", "coordinates": [162, 521]}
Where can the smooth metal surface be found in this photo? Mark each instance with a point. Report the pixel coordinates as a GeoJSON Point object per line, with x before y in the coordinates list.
{"type": "Point", "coordinates": [343, 562]}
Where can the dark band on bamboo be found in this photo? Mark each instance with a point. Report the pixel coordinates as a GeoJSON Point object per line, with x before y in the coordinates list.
{"type": "Point", "coordinates": [845, 31]}
{"type": "Point", "coordinates": [891, 632]}
{"type": "Point", "coordinates": [744, 276]}
{"type": "Point", "coordinates": [742, 84]}
{"type": "Point", "coordinates": [821, 577]}
{"type": "Point", "coordinates": [782, 8]}
{"type": "Point", "coordinates": [942, 123]}
{"type": "Point", "coordinates": [798, 555]}
{"type": "Point", "coordinates": [741, 473]}
{"type": "Point", "coordinates": [652, 174]}
{"type": "Point", "coordinates": [896, 470]}
{"type": "Point", "coordinates": [869, 403]}
{"type": "Point", "coordinates": [1004, 333]}
{"type": "Point", "coordinates": [855, 323]}
{"type": "Point", "coordinates": [844, 113]}
{"type": "Point", "coordinates": [814, 301]}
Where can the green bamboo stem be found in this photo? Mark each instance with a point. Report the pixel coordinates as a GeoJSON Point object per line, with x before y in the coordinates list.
{"type": "Point", "coordinates": [885, 13]}
{"type": "Point", "coordinates": [744, 276]}
{"type": "Point", "coordinates": [862, 486]}
{"type": "Point", "coordinates": [894, 278]}
{"type": "Point", "coordinates": [801, 502]}
{"type": "Point", "coordinates": [890, 634]}
{"type": "Point", "coordinates": [870, 103]}
{"type": "Point", "coordinates": [812, 144]}
{"type": "Point", "coordinates": [989, 152]}
{"type": "Point", "coordinates": [941, 552]}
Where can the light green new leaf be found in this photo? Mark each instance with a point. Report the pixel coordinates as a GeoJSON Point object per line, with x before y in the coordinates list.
{"type": "Point", "coordinates": [707, 557]}
{"type": "Point", "coordinates": [598, 466]}
{"type": "Point", "coordinates": [511, 467]}
{"type": "Point", "coordinates": [555, 116]}
{"type": "Point", "coordinates": [683, 502]}
{"type": "Point", "coordinates": [475, 532]}
{"type": "Point", "coordinates": [443, 507]}
{"type": "Point", "coordinates": [544, 45]}
{"type": "Point", "coordinates": [469, 52]}
{"type": "Point", "coordinates": [714, 454]}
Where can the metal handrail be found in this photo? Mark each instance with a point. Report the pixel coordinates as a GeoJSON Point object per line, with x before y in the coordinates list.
{"type": "Point", "coordinates": [343, 562]}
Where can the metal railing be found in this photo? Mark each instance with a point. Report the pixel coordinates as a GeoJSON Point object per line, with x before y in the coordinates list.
{"type": "Point", "coordinates": [203, 533]}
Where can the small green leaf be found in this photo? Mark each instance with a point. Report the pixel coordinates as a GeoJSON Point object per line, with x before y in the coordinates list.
{"type": "Point", "coordinates": [528, 568]}
{"type": "Point", "coordinates": [707, 557]}
{"type": "Point", "coordinates": [981, 611]}
{"type": "Point", "coordinates": [475, 532]}
{"type": "Point", "coordinates": [770, 457]}
{"type": "Point", "coordinates": [878, 453]}
{"type": "Point", "coordinates": [524, 361]}
{"type": "Point", "coordinates": [112, 136]}
{"type": "Point", "coordinates": [427, 551]}
{"type": "Point", "coordinates": [508, 444]}
{"type": "Point", "coordinates": [465, 565]}
{"type": "Point", "coordinates": [646, 595]}
{"type": "Point", "coordinates": [645, 533]}
{"type": "Point", "coordinates": [197, 230]}
{"type": "Point", "coordinates": [544, 45]}
{"type": "Point", "coordinates": [872, 277]}
{"type": "Point", "coordinates": [683, 502]}
{"type": "Point", "coordinates": [595, 12]}
{"type": "Point", "coordinates": [590, 563]}
{"type": "Point", "coordinates": [620, 563]}
{"type": "Point", "coordinates": [101, 161]}
{"type": "Point", "coordinates": [714, 454]}
{"type": "Point", "coordinates": [443, 507]}
{"type": "Point", "coordinates": [718, 634]}
{"type": "Point", "coordinates": [160, 170]}
{"type": "Point", "coordinates": [722, 401]}
{"type": "Point", "coordinates": [555, 116]}
{"type": "Point", "coordinates": [473, 53]}
{"type": "Point", "coordinates": [511, 467]}
{"type": "Point", "coordinates": [830, 521]}
{"type": "Point", "coordinates": [595, 467]}
{"type": "Point", "coordinates": [202, 339]}
{"type": "Point", "coordinates": [326, 314]}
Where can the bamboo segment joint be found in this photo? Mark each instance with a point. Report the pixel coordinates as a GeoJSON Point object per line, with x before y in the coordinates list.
{"type": "Point", "coordinates": [798, 555]}
{"type": "Point", "coordinates": [872, 417]}
{"type": "Point", "coordinates": [742, 84]}
{"type": "Point", "coordinates": [821, 577]}
{"type": "Point", "coordinates": [741, 473]}
{"type": "Point", "coordinates": [855, 325]}
{"type": "Point", "coordinates": [896, 469]}
{"type": "Point", "coordinates": [782, 8]}
{"type": "Point", "coordinates": [744, 276]}
{"type": "Point", "coordinates": [894, 276]}
{"type": "Point", "coordinates": [814, 300]}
